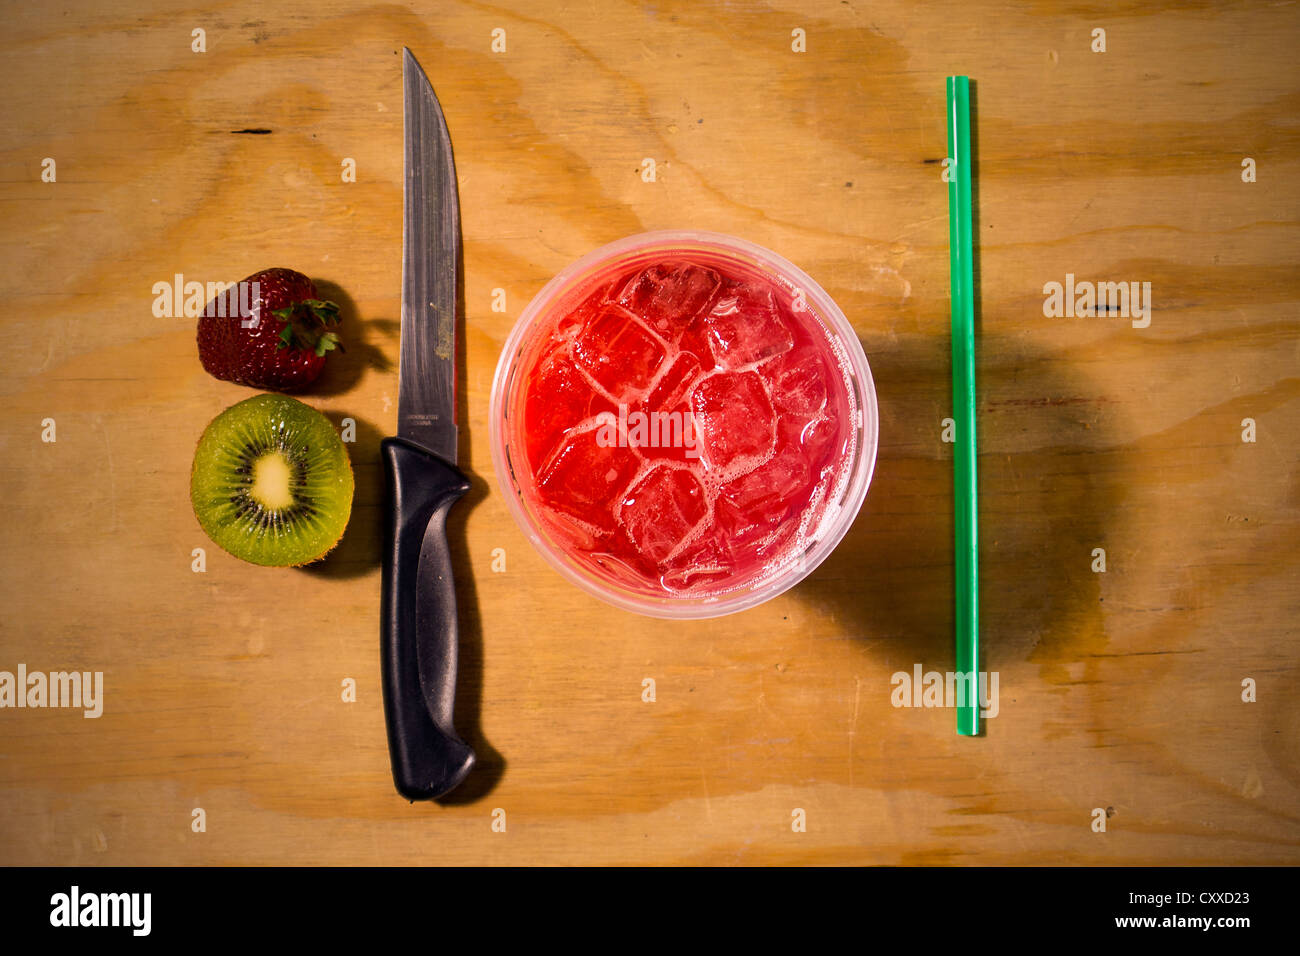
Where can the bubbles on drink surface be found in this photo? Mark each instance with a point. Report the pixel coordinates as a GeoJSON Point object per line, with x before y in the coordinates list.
{"type": "Point", "coordinates": [718, 346]}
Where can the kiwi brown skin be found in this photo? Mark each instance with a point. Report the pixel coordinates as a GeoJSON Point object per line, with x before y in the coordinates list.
{"type": "Point", "coordinates": [310, 478]}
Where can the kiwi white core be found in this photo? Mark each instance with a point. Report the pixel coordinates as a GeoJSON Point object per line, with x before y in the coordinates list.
{"type": "Point", "coordinates": [271, 481]}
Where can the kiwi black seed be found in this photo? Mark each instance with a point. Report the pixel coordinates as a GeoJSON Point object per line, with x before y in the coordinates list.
{"type": "Point", "coordinates": [272, 483]}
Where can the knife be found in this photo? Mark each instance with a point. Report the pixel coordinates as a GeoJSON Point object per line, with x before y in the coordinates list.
{"type": "Point", "coordinates": [419, 632]}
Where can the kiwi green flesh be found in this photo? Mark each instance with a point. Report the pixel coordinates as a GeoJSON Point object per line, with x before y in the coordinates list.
{"type": "Point", "coordinates": [235, 510]}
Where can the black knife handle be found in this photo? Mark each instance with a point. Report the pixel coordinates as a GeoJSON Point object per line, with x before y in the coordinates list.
{"type": "Point", "coordinates": [419, 623]}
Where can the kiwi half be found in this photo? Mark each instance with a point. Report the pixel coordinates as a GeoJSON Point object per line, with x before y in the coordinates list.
{"type": "Point", "coordinates": [272, 483]}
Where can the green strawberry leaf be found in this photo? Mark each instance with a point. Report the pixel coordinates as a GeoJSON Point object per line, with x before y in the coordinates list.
{"type": "Point", "coordinates": [305, 325]}
{"type": "Point", "coordinates": [327, 312]}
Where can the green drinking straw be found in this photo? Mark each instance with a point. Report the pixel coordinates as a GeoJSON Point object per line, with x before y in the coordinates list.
{"type": "Point", "coordinates": [965, 495]}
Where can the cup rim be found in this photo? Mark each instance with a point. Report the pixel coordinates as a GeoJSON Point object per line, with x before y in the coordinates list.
{"type": "Point", "coordinates": [794, 568]}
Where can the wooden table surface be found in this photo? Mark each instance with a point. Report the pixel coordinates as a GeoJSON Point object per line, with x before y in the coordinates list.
{"type": "Point", "coordinates": [1120, 691]}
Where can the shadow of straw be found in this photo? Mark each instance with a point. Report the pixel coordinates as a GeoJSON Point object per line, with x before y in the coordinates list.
{"type": "Point", "coordinates": [1043, 505]}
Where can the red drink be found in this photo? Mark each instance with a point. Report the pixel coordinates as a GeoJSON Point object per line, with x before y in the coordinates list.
{"type": "Point", "coordinates": [681, 423]}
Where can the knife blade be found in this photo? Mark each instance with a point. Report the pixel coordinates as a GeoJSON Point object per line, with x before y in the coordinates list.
{"type": "Point", "coordinates": [420, 637]}
{"type": "Point", "coordinates": [426, 404]}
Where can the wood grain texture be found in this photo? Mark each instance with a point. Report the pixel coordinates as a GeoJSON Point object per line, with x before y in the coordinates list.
{"type": "Point", "coordinates": [1118, 690]}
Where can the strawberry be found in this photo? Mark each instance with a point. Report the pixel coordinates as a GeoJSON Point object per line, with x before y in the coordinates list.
{"type": "Point", "coordinates": [281, 339]}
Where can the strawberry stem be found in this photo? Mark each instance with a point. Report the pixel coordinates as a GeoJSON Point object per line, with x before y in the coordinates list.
{"type": "Point", "coordinates": [307, 324]}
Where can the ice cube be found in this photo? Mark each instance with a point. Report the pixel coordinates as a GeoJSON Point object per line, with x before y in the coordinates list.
{"type": "Point", "coordinates": [585, 479]}
{"type": "Point", "coordinates": [664, 434]}
{"type": "Point", "coordinates": [573, 321]}
{"type": "Point", "coordinates": [800, 384]}
{"type": "Point", "coordinates": [618, 352]}
{"type": "Point", "coordinates": [668, 295]}
{"type": "Point", "coordinates": [669, 427]}
{"type": "Point", "coordinates": [734, 421]}
{"type": "Point", "coordinates": [771, 485]}
{"type": "Point", "coordinates": [819, 440]}
{"type": "Point", "coordinates": [701, 564]}
{"type": "Point", "coordinates": [754, 506]}
{"type": "Point", "coordinates": [662, 510]}
{"type": "Point", "coordinates": [745, 327]}
{"type": "Point", "coordinates": [557, 400]}
{"type": "Point", "coordinates": [674, 383]}
{"type": "Point", "coordinates": [695, 341]}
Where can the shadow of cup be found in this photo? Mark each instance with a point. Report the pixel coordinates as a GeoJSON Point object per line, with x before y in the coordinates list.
{"type": "Point", "coordinates": [1043, 505]}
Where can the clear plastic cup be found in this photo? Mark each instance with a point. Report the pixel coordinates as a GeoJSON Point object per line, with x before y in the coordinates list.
{"type": "Point", "coordinates": [824, 522]}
